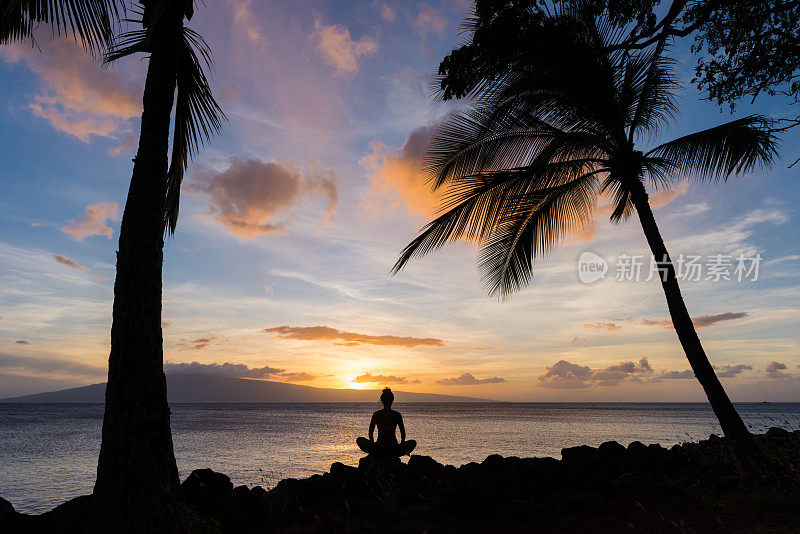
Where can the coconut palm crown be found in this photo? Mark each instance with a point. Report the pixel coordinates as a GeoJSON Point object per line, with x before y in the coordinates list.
{"type": "Point", "coordinates": [551, 128]}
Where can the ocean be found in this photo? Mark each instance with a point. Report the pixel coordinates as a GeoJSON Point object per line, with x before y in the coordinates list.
{"type": "Point", "coordinates": [48, 452]}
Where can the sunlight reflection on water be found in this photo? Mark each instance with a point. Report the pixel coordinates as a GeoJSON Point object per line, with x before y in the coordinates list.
{"type": "Point", "coordinates": [49, 452]}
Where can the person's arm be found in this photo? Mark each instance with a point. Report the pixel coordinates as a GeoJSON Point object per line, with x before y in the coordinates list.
{"type": "Point", "coordinates": [402, 428]}
{"type": "Point", "coordinates": [372, 428]}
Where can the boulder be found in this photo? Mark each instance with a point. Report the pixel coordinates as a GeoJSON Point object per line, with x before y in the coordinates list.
{"type": "Point", "coordinates": [776, 433]}
{"type": "Point", "coordinates": [351, 479]}
{"type": "Point", "coordinates": [6, 508]}
{"type": "Point", "coordinates": [610, 449]}
{"type": "Point", "coordinates": [636, 448]}
{"type": "Point", "coordinates": [371, 463]}
{"type": "Point", "coordinates": [208, 491]}
{"type": "Point", "coordinates": [259, 492]}
{"type": "Point", "coordinates": [493, 461]}
{"type": "Point", "coordinates": [580, 456]}
{"type": "Point", "coordinates": [424, 466]}
{"type": "Point", "coordinates": [245, 499]}
{"type": "Point", "coordinates": [341, 472]}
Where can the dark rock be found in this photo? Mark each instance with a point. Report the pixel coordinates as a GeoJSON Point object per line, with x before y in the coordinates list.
{"type": "Point", "coordinates": [541, 468]}
{"type": "Point", "coordinates": [610, 449]}
{"type": "Point", "coordinates": [208, 491]}
{"type": "Point", "coordinates": [342, 472]}
{"type": "Point", "coordinates": [71, 516]}
{"type": "Point", "coordinates": [6, 508]}
{"type": "Point", "coordinates": [260, 495]}
{"type": "Point", "coordinates": [493, 461]}
{"type": "Point", "coordinates": [581, 456]}
{"type": "Point", "coordinates": [469, 500]}
{"type": "Point", "coordinates": [778, 433]}
{"type": "Point", "coordinates": [351, 479]}
{"type": "Point", "coordinates": [424, 466]}
{"type": "Point", "coordinates": [245, 499]}
{"type": "Point", "coordinates": [372, 463]}
{"type": "Point", "coordinates": [637, 448]}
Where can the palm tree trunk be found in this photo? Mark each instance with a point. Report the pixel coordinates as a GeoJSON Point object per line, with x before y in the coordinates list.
{"type": "Point", "coordinates": [732, 425]}
{"type": "Point", "coordinates": [137, 487]}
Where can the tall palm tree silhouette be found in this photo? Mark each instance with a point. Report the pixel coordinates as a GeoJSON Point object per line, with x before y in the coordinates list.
{"type": "Point", "coordinates": [552, 128]}
{"type": "Point", "coordinates": [137, 487]}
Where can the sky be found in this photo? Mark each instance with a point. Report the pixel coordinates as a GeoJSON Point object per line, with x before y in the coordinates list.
{"type": "Point", "coordinates": [292, 219]}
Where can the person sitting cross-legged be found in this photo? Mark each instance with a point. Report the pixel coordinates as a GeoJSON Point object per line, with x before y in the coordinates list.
{"type": "Point", "coordinates": [387, 421]}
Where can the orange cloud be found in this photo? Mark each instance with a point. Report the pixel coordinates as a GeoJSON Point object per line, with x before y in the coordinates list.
{"type": "Point", "coordinates": [578, 341]}
{"type": "Point", "coordinates": [297, 377]}
{"type": "Point", "coordinates": [236, 370]}
{"type": "Point", "coordinates": [248, 195]}
{"type": "Point", "coordinates": [326, 333]}
{"type": "Point", "coordinates": [387, 12]}
{"type": "Point", "coordinates": [661, 198]}
{"type": "Point", "coordinates": [244, 20]}
{"type": "Point", "coordinates": [611, 327]}
{"type": "Point", "coordinates": [32, 366]}
{"type": "Point", "coordinates": [468, 379]}
{"type": "Point", "coordinates": [699, 321]}
{"type": "Point", "coordinates": [77, 96]}
{"type": "Point", "coordinates": [338, 49]}
{"type": "Point", "coordinates": [63, 260]}
{"type": "Point", "coordinates": [395, 175]}
{"type": "Point", "coordinates": [92, 222]}
{"type": "Point", "coordinates": [368, 378]}
{"type": "Point", "coordinates": [568, 375]}
{"type": "Point", "coordinates": [429, 20]}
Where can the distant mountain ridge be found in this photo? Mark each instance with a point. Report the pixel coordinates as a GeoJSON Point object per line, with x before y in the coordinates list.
{"type": "Point", "coordinates": [200, 388]}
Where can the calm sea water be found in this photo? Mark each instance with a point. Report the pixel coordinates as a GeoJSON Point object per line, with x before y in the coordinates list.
{"type": "Point", "coordinates": [48, 452]}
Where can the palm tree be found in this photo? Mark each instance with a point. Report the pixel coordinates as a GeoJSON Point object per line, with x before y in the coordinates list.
{"type": "Point", "coordinates": [137, 487]}
{"type": "Point", "coordinates": [87, 21]}
{"type": "Point", "coordinates": [549, 132]}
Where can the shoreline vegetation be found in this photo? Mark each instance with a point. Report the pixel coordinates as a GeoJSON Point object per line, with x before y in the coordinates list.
{"type": "Point", "coordinates": [693, 487]}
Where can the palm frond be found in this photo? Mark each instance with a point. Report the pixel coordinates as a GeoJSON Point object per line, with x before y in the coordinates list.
{"type": "Point", "coordinates": [659, 172]}
{"type": "Point", "coordinates": [474, 205]}
{"type": "Point", "coordinates": [652, 85]}
{"type": "Point", "coordinates": [620, 198]}
{"type": "Point", "coordinates": [735, 147]}
{"type": "Point", "coordinates": [467, 216]}
{"type": "Point", "coordinates": [90, 22]}
{"type": "Point", "coordinates": [198, 117]}
{"type": "Point", "coordinates": [126, 44]}
{"type": "Point", "coordinates": [467, 144]}
{"type": "Point", "coordinates": [531, 227]}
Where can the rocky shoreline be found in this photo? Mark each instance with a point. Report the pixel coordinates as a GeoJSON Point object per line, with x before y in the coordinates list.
{"type": "Point", "coordinates": [694, 487]}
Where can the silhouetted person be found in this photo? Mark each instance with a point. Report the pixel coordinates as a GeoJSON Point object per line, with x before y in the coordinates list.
{"type": "Point", "coordinates": [387, 421]}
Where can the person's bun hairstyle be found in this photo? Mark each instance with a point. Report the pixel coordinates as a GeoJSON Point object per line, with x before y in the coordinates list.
{"type": "Point", "coordinates": [387, 396]}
